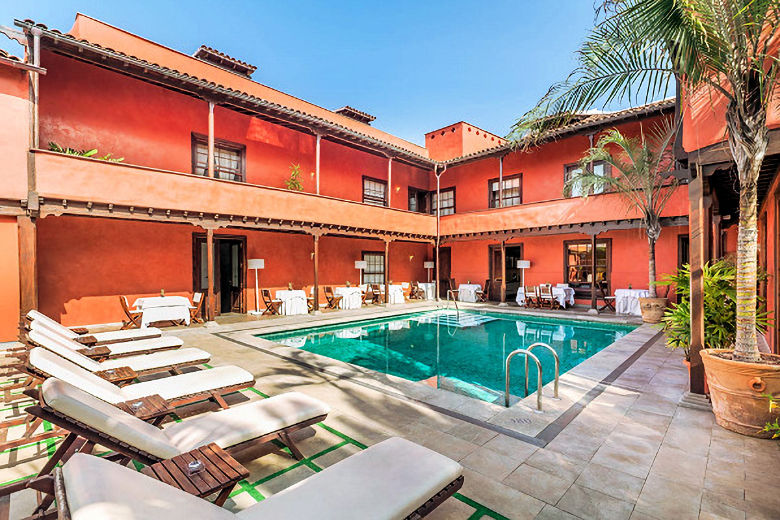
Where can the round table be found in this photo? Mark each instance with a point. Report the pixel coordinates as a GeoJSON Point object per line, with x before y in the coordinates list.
{"type": "Point", "coordinates": [627, 301]}
{"type": "Point", "coordinates": [293, 302]}
{"type": "Point", "coordinates": [351, 297]}
{"type": "Point", "coordinates": [467, 292]}
{"type": "Point", "coordinates": [429, 288]}
{"type": "Point", "coordinates": [163, 308]}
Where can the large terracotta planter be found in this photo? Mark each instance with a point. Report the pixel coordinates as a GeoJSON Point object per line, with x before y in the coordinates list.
{"type": "Point", "coordinates": [737, 390]}
{"type": "Point", "coordinates": [653, 309]}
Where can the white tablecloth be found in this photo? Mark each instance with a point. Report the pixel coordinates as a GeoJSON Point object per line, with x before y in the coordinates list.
{"type": "Point", "coordinates": [564, 295]}
{"type": "Point", "coordinates": [396, 294]}
{"type": "Point", "coordinates": [351, 297]}
{"type": "Point", "coordinates": [467, 292]}
{"type": "Point", "coordinates": [627, 300]}
{"type": "Point", "coordinates": [429, 288]}
{"type": "Point", "coordinates": [293, 302]}
{"type": "Point", "coordinates": [163, 308]}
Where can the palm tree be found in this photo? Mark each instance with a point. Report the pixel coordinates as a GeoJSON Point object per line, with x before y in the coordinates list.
{"type": "Point", "coordinates": [722, 48]}
{"type": "Point", "coordinates": [639, 173]}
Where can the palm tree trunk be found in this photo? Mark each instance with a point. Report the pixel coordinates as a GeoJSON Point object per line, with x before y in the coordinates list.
{"type": "Point", "coordinates": [651, 267]}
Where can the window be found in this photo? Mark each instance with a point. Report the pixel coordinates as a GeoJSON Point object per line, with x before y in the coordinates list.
{"type": "Point", "coordinates": [447, 201]}
{"type": "Point", "coordinates": [375, 267]}
{"type": "Point", "coordinates": [374, 191]}
{"type": "Point", "coordinates": [511, 193]}
{"type": "Point", "coordinates": [683, 250]}
{"type": "Point", "coordinates": [418, 200]}
{"type": "Point", "coordinates": [229, 161]}
{"type": "Point", "coordinates": [600, 168]}
{"type": "Point", "coordinates": [578, 264]}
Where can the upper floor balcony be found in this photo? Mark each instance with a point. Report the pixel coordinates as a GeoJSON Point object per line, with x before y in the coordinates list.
{"type": "Point", "coordinates": [76, 185]}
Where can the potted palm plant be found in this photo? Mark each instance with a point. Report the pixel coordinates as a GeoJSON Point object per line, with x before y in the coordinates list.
{"type": "Point", "coordinates": [638, 170]}
{"type": "Point", "coordinates": [724, 49]}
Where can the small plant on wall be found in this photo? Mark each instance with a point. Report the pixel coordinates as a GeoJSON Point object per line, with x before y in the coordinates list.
{"type": "Point", "coordinates": [294, 183]}
{"type": "Point", "coordinates": [54, 147]}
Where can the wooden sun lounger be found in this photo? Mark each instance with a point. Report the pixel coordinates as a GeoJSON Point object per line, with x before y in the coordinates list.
{"type": "Point", "coordinates": [395, 478]}
{"type": "Point", "coordinates": [82, 335]}
{"type": "Point", "coordinates": [122, 429]}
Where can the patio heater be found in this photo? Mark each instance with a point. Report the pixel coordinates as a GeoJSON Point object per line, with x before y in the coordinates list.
{"type": "Point", "coordinates": [256, 264]}
{"type": "Point", "coordinates": [523, 265]}
{"type": "Point", "coordinates": [360, 265]}
{"type": "Point", "coordinates": [428, 265]}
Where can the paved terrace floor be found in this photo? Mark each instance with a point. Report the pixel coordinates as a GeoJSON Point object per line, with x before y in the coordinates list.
{"type": "Point", "coordinates": [630, 453]}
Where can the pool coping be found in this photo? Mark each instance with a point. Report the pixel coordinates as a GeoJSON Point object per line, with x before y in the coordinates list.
{"type": "Point", "coordinates": [577, 387]}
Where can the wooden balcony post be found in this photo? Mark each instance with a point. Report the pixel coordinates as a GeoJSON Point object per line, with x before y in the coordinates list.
{"type": "Point", "coordinates": [316, 258]}
{"type": "Point", "coordinates": [387, 269]}
{"type": "Point", "coordinates": [697, 230]}
{"type": "Point", "coordinates": [503, 274]}
{"type": "Point", "coordinates": [210, 158]}
{"type": "Point", "coordinates": [28, 265]}
{"type": "Point", "coordinates": [317, 161]}
{"type": "Point", "coordinates": [593, 300]}
{"type": "Point", "coordinates": [210, 274]}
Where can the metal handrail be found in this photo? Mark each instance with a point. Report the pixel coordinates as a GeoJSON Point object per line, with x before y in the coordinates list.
{"type": "Point", "coordinates": [539, 377]}
{"type": "Point", "coordinates": [557, 364]}
{"type": "Point", "coordinates": [451, 297]}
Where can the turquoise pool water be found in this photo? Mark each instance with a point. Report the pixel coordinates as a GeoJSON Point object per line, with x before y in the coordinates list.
{"type": "Point", "coordinates": [462, 352]}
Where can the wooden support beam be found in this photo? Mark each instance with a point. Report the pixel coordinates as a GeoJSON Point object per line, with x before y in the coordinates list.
{"type": "Point", "coordinates": [503, 273]}
{"type": "Point", "coordinates": [387, 270]}
{"type": "Point", "coordinates": [316, 273]}
{"type": "Point", "coordinates": [28, 265]}
{"type": "Point", "coordinates": [697, 231]}
{"type": "Point", "coordinates": [210, 274]}
{"type": "Point", "coordinates": [593, 302]}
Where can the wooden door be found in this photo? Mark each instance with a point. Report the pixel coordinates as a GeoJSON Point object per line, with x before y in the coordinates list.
{"type": "Point", "coordinates": [445, 270]}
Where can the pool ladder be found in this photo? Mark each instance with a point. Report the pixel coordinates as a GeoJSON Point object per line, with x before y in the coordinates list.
{"type": "Point", "coordinates": [451, 298]}
{"type": "Point", "coordinates": [528, 354]}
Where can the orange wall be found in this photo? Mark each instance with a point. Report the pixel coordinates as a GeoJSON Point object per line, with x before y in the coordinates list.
{"type": "Point", "coordinates": [14, 132]}
{"type": "Point", "coordinates": [82, 272]}
{"type": "Point", "coordinates": [151, 126]}
{"type": "Point", "coordinates": [542, 169]}
{"type": "Point", "coordinates": [9, 279]}
{"type": "Point", "coordinates": [470, 260]}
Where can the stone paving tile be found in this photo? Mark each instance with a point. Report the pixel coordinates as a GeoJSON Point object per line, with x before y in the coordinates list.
{"type": "Point", "coordinates": [611, 482]}
{"type": "Point", "coordinates": [471, 433]}
{"type": "Point", "coordinates": [664, 498]}
{"type": "Point", "coordinates": [720, 506]}
{"type": "Point", "coordinates": [538, 483]}
{"type": "Point", "coordinates": [679, 466]}
{"type": "Point", "coordinates": [451, 509]}
{"type": "Point", "coordinates": [632, 455]}
{"type": "Point", "coordinates": [557, 464]}
{"type": "Point", "coordinates": [553, 513]}
{"type": "Point", "coordinates": [511, 447]}
{"type": "Point", "coordinates": [502, 499]}
{"type": "Point", "coordinates": [589, 504]}
{"type": "Point", "coordinates": [576, 445]}
{"type": "Point", "coordinates": [490, 463]}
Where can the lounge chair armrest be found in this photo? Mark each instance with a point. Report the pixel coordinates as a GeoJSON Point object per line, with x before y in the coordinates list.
{"type": "Point", "coordinates": [97, 353]}
{"type": "Point", "coordinates": [118, 376]}
{"type": "Point", "coordinates": [87, 340]}
{"type": "Point", "coordinates": [151, 408]}
{"type": "Point", "coordinates": [80, 330]}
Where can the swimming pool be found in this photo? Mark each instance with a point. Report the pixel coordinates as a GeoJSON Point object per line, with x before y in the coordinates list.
{"type": "Point", "coordinates": [461, 352]}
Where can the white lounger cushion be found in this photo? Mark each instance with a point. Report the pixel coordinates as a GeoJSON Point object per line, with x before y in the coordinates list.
{"type": "Point", "coordinates": [245, 422]}
{"type": "Point", "coordinates": [101, 337]}
{"type": "Point", "coordinates": [226, 427]}
{"type": "Point", "coordinates": [170, 388]}
{"type": "Point", "coordinates": [387, 481]}
{"type": "Point", "coordinates": [66, 348]}
{"type": "Point", "coordinates": [122, 348]}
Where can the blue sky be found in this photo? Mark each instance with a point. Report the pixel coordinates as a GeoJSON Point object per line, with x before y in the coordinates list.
{"type": "Point", "coordinates": [416, 66]}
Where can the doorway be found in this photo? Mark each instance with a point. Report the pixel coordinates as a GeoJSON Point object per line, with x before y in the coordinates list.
{"type": "Point", "coordinates": [229, 271]}
{"type": "Point", "coordinates": [445, 270]}
{"type": "Point", "coordinates": [513, 274]}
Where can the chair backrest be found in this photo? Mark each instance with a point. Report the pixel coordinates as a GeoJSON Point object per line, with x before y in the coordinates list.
{"type": "Point", "coordinates": [46, 362]}
{"type": "Point", "coordinates": [602, 287]}
{"type": "Point", "coordinates": [452, 284]}
{"type": "Point", "coordinates": [78, 405]}
{"type": "Point", "coordinates": [415, 285]}
{"type": "Point", "coordinates": [375, 288]}
{"type": "Point", "coordinates": [545, 291]}
{"type": "Point", "coordinates": [267, 297]}
{"type": "Point", "coordinates": [197, 297]}
{"type": "Point", "coordinates": [63, 347]}
{"type": "Point", "coordinates": [487, 287]}
{"type": "Point", "coordinates": [42, 319]}
{"type": "Point", "coordinates": [329, 291]}
{"type": "Point", "coordinates": [530, 291]}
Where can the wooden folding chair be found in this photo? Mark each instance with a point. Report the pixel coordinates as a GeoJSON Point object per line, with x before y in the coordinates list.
{"type": "Point", "coordinates": [546, 298]}
{"type": "Point", "coordinates": [197, 305]}
{"type": "Point", "coordinates": [609, 301]}
{"type": "Point", "coordinates": [531, 297]}
{"type": "Point", "coordinates": [416, 292]}
{"type": "Point", "coordinates": [484, 293]}
{"type": "Point", "coordinates": [134, 317]}
{"type": "Point", "coordinates": [333, 300]}
{"type": "Point", "coordinates": [310, 300]}
{"type": "Point", "coordinates": [376, 293]}
{"type": "Point", "coordinates": [455, 292]}
{"type": "Point", "coordinates": [272, 307]}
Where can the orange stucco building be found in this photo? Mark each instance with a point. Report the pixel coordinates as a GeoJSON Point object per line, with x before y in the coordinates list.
{"type": "Point", "coordinates": [76, 232]}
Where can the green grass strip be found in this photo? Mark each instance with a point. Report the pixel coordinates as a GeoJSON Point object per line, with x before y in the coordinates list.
{"type": "Point", "coordinates": [481, 510]}
{"type": "Point", "coordinates": [343, 436]}
{"type": "Point", "coordinates": [258, 392]}
{"type": "Point", "coordinates": [244, 487]}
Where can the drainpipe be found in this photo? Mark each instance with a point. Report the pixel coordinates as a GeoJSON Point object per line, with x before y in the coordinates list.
{"type": "Point", "coordinates": [438, 226]}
